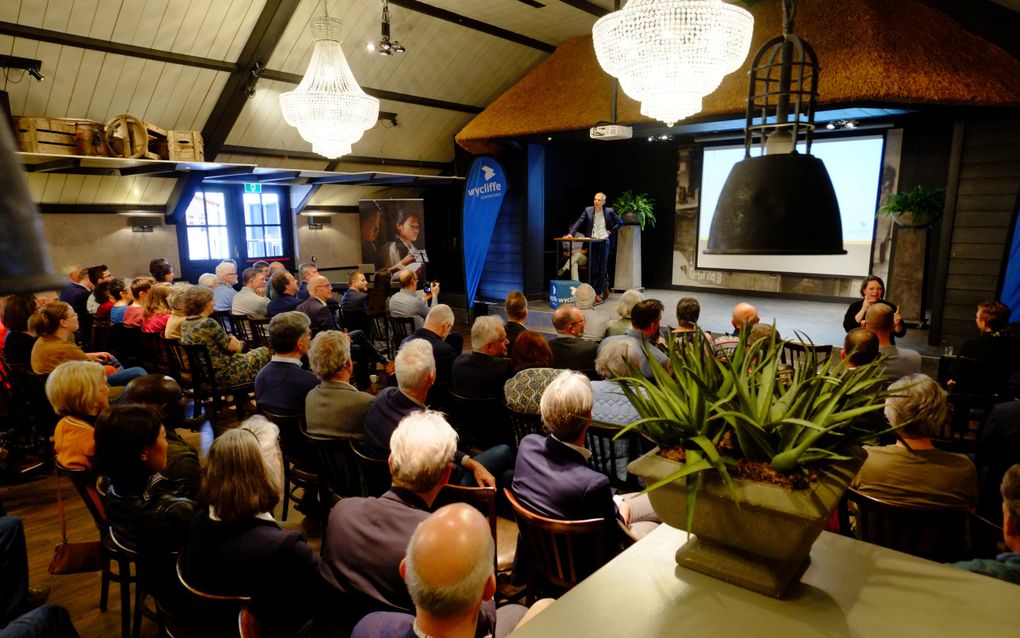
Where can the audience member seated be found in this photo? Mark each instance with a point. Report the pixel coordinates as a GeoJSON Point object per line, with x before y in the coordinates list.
{"type": "Point", "coordinates": [274, 268]}
{"type": "Point", "coordinates": [306, 272]}
{"type": "Point", "coordinates": [285, 298]}
{"type": "Point", "coordinates": [998, 448]}
{"type": "Point", "coordinates": [56, 323]}
{"type": "Point", "coordinates": [282, 385]}
{"type": "Point", "coordinates": [78, 288]}
{"type": "Point", "coordinates": [104, 298]}
{"type": "Point", "coordinates": [688, 311]}
{"type": "Point", "coordinates": [120, 290]}
{"type": "Point", "coordinates": [552, 477]}
{"type": "Point", "coordinates": [744, 314]}
{"type": "Point", "coordinates": [873, 291]}
{"type": "Point", "coordinates": [860, 347]}
{"type": "Point", "coordinates": [134, 314]}
{"type": "Point", "coordinates": [366, 538]}
{"type": "Point", "coordinates": [531, 364]}
{"type": "Point", "coordinates": [236, 548]}
{"type": "Point", "coordinates": [156, 309]}
{"type": "Point", "coordinates": [334, 407]}
{"type": "Point", "coordinates": [645, 319]}
{"type": "Point", "coordinates": [379, 295]}
{"type": "Point", "coordinates": [251, 300]}
{"type": "Point", "coordinates": [1005, 566]}
{"type": "Point", "coordinates": [415, 368]}
{"type": "Point", "coordinates": [899, 361]}
{"type": "Point", "coordinates": [223, 294]}
{"type": "Point", "coordinates": [230, 365]}
{"type": "Point", "coordinates": [148, 512]}
{"type": "Point", "coordinates": [161, 270]}
{"type": "Point", "coordinates": [208, 280]}
{"type": "Point", "coordinates": [921, 475]}
{"type": "Point", "coordinates": [481, 374]}
{"type": "Point", "coordinates": [569, 350]}
{"type": "Point", "coordinates": [516, 307]}
{"type": "Point", "coordinates": [165, 394]}
{"type": "Point", "coordinates": [407, 303]}
{"type": "Point", "coordinates": [448, 571]}
{"type": "Point", "coordinates": [78, 392]}
{"type": "Point", "coordinates": [18, 342]}
{"type": "Point", "coordinates": [614, 360]}
{"type": "Point", "coordinates": [356, 296]}
{"type": "Point", "coordinates": [628, 300]}
{"type": "Point", "coordinates": [22, 612]}
{"type": "Point", "coordinates": [177, 314]}
{"type": "Point", "coordinates": [97, 275]}
{"type": "Point", "coordinates": [986, 362]}
{"type": "Point", "coordinates": [446, 344]}
{"type": "Point", "coordinates": [594, 325]}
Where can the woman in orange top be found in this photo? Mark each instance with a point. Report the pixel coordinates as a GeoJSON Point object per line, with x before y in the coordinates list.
{"type": "Point", "coordinates": [79, 392]}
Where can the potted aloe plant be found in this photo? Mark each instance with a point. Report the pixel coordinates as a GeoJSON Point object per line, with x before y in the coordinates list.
{"type": "Point", "coordinates": [636, 207]}
{"type": "Point", "coordinates": [916, 208]}
{"type": "Point", "coordinates": [753, 456]}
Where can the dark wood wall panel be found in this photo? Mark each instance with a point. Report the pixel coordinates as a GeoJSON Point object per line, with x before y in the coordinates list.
{"type": "Point", "coordinates": [982, 195]}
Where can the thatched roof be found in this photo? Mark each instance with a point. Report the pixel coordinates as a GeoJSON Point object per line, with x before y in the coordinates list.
{"type": "Point", "coordinates": [870, 51]}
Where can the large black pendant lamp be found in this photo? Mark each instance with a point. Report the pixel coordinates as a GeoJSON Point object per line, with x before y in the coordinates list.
{"type": "Point", "coordinates": [782, 201]}
{"type": "Point", "coordinates": [24, 263]}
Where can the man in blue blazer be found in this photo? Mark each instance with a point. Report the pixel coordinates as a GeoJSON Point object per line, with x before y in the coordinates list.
{"type": "Point", "coordinates": [282, 384]}
{"type": "Point", "coordinates": [599, 222]}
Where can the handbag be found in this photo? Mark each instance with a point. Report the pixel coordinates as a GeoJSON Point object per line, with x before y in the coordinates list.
{"type": "Point", "coordinates": [74, 558]}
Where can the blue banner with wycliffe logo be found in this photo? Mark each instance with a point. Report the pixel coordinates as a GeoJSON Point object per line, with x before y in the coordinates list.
{"type": "Point", "coordinates": [483, 196]}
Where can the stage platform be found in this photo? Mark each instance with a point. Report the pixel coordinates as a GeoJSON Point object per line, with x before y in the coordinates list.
{"type": "Point", "coordinates": [822, 321]}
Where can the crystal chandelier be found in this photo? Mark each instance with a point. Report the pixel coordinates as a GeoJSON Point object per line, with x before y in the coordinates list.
{"type": "Point", "coordinates": [328, 108]}
{"type": "Point", "coordinates": [669, 54]}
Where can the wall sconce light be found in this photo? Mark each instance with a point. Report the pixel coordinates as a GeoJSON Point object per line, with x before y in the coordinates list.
{"type": "Point", "coordinates": [142, 228]}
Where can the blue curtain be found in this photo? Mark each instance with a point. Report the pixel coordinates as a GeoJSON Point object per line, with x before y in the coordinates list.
{"type": "Point", "coordinates": [483, 197]}
{"type": "Point", "coordinates": [1011, 282]}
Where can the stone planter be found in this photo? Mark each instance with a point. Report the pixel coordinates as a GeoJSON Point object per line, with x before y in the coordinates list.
{"type": "Point", "coordinates": [760, 542]}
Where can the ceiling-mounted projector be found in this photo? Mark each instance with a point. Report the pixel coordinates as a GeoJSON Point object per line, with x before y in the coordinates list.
{"type": "Point", "coordinates": [611, 132]}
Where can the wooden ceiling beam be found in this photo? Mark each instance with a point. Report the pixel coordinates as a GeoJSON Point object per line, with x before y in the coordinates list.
{"type": "Point", "coordinates": [257, 151]}
{"type": "Point", "coordinates": [94, 44]}
{"type": "Point", "coordinates": [275, 16]}
{"type": "Point", "coordinates": [475, 25]}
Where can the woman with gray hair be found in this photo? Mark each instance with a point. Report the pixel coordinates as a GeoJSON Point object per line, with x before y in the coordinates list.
{"type": "Point", "coordinates": [176, 302]}
{"type": "Point", "coordinates": [594, 323]}
{"type": "Point", "coordinates": [335, 408]}
{"type": "Point", "coordinates": [610, 404]}
{"type": "Point", "coordinates": [628, 300]}
{"type": "Point", "coordinates": [913, 471]}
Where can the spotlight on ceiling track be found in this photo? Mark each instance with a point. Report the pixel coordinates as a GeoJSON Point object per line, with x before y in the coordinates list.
{"type": "Point", "coordinates": [34, 67]}
{"type": "Point", "coordinates": [385, 46]}
{"type": "Point", "coordinates": [838, 124]}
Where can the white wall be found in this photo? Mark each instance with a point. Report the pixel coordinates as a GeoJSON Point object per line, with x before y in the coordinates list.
{"type": "Point", "coordinates": [107, 239]}
{"type": "Point", "coordinates": [337, 244]}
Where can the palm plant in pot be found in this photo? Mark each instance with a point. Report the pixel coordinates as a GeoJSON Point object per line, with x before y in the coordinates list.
{"type": "Point", "coordinates": [753, 457]}
{"type": "Point", "coordinates": [636, 207]}
{"type": "Point", "coordinates": [916, 208]}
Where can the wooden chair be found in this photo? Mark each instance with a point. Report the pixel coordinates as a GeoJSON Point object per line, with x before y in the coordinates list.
{"type": "Point", "coordinates": [158, 352]}
{"type": "Point", "coordinates": [112, 553]}
{"type": "Point", "coordinates": [379, 333]}
{"type": "Point", "coordinates": [206, 385]}
{"type": "Point", "coordinates": [354, 319]}
{"type": "Point", "coordinates": [300, 462]}
{"type": "Point", "coordinates": [375, 473]}
{"type": "Point", "coordinates": [482, 423]}
{"type": "Point", "coordinates": [100, 335]}
{"type": "Point", "coordinates": [338, 473]}
{"type": "Point", "coordinates": [794, 352]}
{"type": "Point", "coordinates": [481, 498]}
{"type": "Point", "coordinates": [222, 317]}
{"type": "Point", "coordinates": [259, 332]}
{"type": "Point", "coordinates": [217, 614]}
{"type": "Point", "coordinates": [557, 554]}
{"type": "Point", "coordinates": [400, 329]}
{"type": "Point", "coordinates": [242, 327]}
{"type": "Point", "coordinates": [126, 557]}
{"type": "Point", "coordinates": [524, 423]}
{"type": "Point", "coordinates": [967, 415]}
{"type": "Point", "coordinates": [609, 453]}
{"type": "Point", "coordinates": [186, 379]}
{"type": "Point", "coordinates": [939, 534]}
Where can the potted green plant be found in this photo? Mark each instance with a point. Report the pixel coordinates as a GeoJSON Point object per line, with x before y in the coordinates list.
{"type": "Point", "coordinates": [764, 451]}
{"type": "Point", "coordinates": [916, 208]}
{"type": "Point", "coordinates": [636, 207]}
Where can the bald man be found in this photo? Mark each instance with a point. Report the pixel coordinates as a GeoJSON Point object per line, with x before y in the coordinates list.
{"type": "Point", "coordinates": [899, 361]}
{"type": "Point", "coordinates": [448, 571]}
{"type": "Point", "coordinates": [744, 316]}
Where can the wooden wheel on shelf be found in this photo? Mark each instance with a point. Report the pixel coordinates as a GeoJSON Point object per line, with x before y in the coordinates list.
{"type": "Point", "coordinates": [127, 136]}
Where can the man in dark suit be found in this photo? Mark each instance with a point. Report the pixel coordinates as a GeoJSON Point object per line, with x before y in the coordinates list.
{"type": "Point", "coordinates": [552, 476]}
{"type": "Point", "coordinates": [482, 373]}
{"type": "Point", "coordinates": [76, 293]}
{"type": "Point", "coordinates": [446, 344]}
{"type": "Point", "coordinates": [366, 538]}
{"type": "Point", "coordinates": [599, 222]}
{"type": "Point", "coordinates": [282, 384]}
{"type": "Point", "coordinates": [569, 350]}
{"type": "Point", "coordinates": [356, 297]}
{"type": "Point", "coordinates": [285, 298]}
{"type": "Point", "coordinates": [516, 307]}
